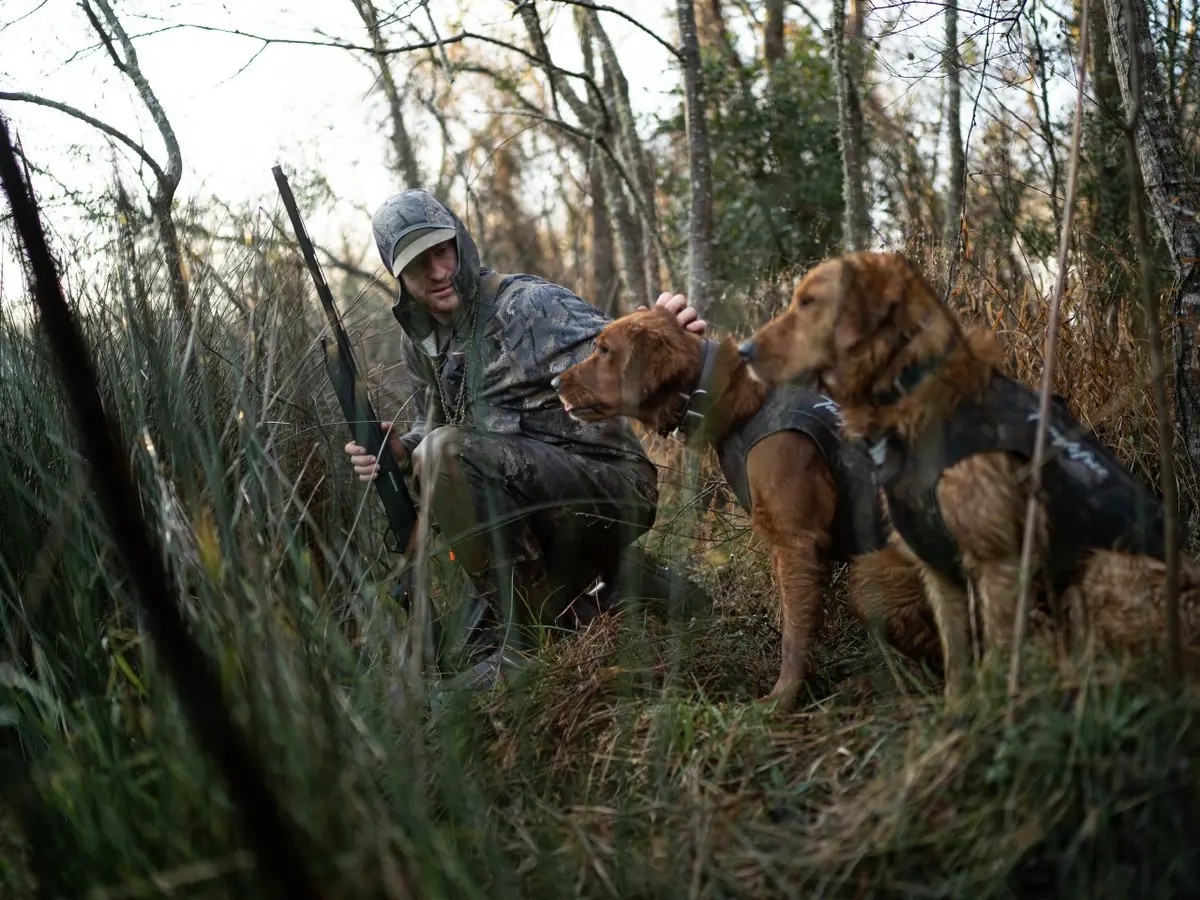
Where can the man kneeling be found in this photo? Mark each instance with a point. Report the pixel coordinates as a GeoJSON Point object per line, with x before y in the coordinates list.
{"type": "Point", "coordinates": [535, 505]}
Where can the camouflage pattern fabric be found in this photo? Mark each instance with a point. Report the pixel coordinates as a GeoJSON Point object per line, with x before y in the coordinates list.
{"type": "Point", "coordinates": [564, 514]}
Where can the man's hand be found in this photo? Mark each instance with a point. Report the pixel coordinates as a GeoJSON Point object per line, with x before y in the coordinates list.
{"type": "Point", "coordinates": [365, 465]}
{"type": "Point", "coordinates": [685, 315]}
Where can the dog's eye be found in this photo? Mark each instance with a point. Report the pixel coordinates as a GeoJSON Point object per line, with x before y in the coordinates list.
{"type": "Point", "coordinates": [602, 350]}
{"type": "Point", "coordinates": [804, 300]}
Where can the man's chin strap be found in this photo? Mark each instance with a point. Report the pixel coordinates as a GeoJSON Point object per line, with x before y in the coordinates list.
{"type": "Point", "coordinates": [696, 402]}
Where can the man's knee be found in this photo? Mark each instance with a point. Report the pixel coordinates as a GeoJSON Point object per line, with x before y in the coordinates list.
{"type": "Point", "coordinates": [438, 452]}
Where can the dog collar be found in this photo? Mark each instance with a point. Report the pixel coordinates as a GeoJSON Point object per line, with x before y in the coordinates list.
{"type": "Point", "coordinates": [912, 376]}
{"type": "Point", "coordinates": [698, 400]}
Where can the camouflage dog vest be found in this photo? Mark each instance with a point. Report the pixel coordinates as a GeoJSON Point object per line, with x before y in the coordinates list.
{"type": "Point", "coordinates": [1093, 502]}
{"type": "Point", "coordinates": [858, 522]}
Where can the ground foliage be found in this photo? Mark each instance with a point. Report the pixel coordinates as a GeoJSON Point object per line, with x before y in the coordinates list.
{"type": "Point", "coordinates": [633, 760]}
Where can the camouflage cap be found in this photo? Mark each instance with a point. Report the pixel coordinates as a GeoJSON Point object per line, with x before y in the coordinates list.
{"type": "Point", "coordinates": [409, 223]}
{"type": "Point", "coordinates": [415, 241]}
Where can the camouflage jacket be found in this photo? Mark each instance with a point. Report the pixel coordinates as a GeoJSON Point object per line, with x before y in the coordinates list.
{"type": "Point", "coordinates": [511, 343]}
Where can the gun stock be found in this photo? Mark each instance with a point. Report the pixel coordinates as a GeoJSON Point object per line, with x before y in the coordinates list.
{"type": "Point", "coordinates": [351, 389]}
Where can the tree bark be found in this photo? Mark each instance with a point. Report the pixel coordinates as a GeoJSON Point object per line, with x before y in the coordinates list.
{"type": "Point", "coordinates": [405, 164]}
{"type": "Point", "coordinates": [632, 149]}
{"type": "Point", "coordinates": [1042, 113]}
{"type": "Point", "coordinates": [605, 284]}
{"type": "Point", "coordinates": [856, 226]}
{"type": "Point", "coordinates": [624, 223]}
{"type": "Point", "coordinates": [700, 221]}
{"type": "Point", "coordinates": [1167, 180]}
{"type": "Point", "coordinates": [773, 33]}
{"type": "Point", "coordinates": [954, 190]}
{"type": "Point", "coordinates": [133, 284]}
{"type": "Point", "coordinates": [1106, 189]}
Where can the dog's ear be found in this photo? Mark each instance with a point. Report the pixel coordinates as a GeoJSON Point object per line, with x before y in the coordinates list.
{"type": "Point", "coordinates": [653, 356]}
{"type": "Point", "coordinates": [871, 289]}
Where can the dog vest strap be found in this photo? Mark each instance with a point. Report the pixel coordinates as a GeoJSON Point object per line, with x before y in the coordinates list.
{"type": "Point", "coordinates": [697, 402]}
{"type": "Point", "coordinates": [911, 376]}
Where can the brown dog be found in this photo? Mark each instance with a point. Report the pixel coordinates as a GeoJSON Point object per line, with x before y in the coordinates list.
{"type": "Point", "coordinates": [952, 437]}
{"type": "Point", "coordinates": [810, 494]}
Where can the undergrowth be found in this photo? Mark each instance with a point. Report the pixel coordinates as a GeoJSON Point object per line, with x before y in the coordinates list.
{"type": "Point", "coordinates": [632, 760]}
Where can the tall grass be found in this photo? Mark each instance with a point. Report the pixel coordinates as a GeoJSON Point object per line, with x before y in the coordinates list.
{"type": "Point", "coordinates": [631, 760]}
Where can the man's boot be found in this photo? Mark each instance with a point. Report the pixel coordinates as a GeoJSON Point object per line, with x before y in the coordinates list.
{"type": "Point", "coordinates": [641, 582]}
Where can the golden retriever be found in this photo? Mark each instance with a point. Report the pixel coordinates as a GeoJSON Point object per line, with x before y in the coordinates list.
{"type": "Point", "coordinates": [810, 494]}
{"type": "Point", "coordinates": [952, 438]}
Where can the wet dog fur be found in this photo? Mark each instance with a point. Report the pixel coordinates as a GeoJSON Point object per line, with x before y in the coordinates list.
{"type": "Point", "coordinates": [643, 366]}
{"type": "Point", "coordinates": [855, 323]}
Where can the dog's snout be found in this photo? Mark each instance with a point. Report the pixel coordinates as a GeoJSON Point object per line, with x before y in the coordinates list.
{"type": "Point", "coordinates": [556, 382]}
{"type": "Point", "coordinates": [746, 350]}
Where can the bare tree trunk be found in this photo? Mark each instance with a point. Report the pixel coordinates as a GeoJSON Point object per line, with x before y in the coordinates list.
{"type": "Point", "coordinates": [406, 162]}
{"type": "Point", "coordinates": [1106, 187]}
{"type": "Point", "coordinates": [558, 84]}
{"type": "Point", "coordinates": [1167, 180]}
{"type": "Point", "coordinates": [132, 282]}
{"type": "Point", "coordinates": [1158, 371]}
{"type": "Point", "coordinates": [633, 150]}
{"type": "Point", "coordinates": [700, 222]}
{"type": "Point", "coordinates": [626, 225]}
{"type": "Point", "coordinates": [856, 227]}
{"type": "Point", "coordinates": [711, 30]}
{"type": "Point", "coordinates": [168, 178]}
{"type": "Point", "coordinates": [954, 190]}
{"type": "Point", "coordinates": [605, 284]}
{"type": "Point", "coordinates": [773, 33]}
{"type": "Point", "coordinates": [1043, 116]}
{"type": "Point", "coordinates": [628, 232]}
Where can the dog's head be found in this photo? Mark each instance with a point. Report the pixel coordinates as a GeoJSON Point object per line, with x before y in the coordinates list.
{"type": "Point", "coordinates": [850, 318]}
{"type": "Point", "coordinates": [640, 363]}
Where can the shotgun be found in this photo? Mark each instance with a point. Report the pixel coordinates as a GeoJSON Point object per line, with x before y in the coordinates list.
{"type": "Point", "coordinates": [351, 389]}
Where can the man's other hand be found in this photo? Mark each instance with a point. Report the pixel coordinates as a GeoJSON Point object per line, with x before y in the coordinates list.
{"type": "Point", "coordinates": [685, 315]}
{"type": "Point", "coordinates": [365, 466]}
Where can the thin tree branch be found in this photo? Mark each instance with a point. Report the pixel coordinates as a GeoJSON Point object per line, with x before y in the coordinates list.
{"type": "Point", "coordinates": [600, 7]}
{"type": "Point", "coordinates": [334, 44]}
{"type": "Point", "coordinates": [21, 97]}
{"type": "Point", "coordinates": [1039, 441]}
{"type": "Point", "coordinates": [133, 71]}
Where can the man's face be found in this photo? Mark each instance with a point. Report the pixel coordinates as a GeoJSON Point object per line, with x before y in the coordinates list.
{"type": "Point", "coordinates": [427, 278]}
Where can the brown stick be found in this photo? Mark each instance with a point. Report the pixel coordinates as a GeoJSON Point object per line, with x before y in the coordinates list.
{"type": "Point", "coordinates": [1039, 443]}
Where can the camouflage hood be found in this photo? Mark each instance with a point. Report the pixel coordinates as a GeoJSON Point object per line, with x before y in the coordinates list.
{"type": "Point", "coordinates": [400, 215]}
